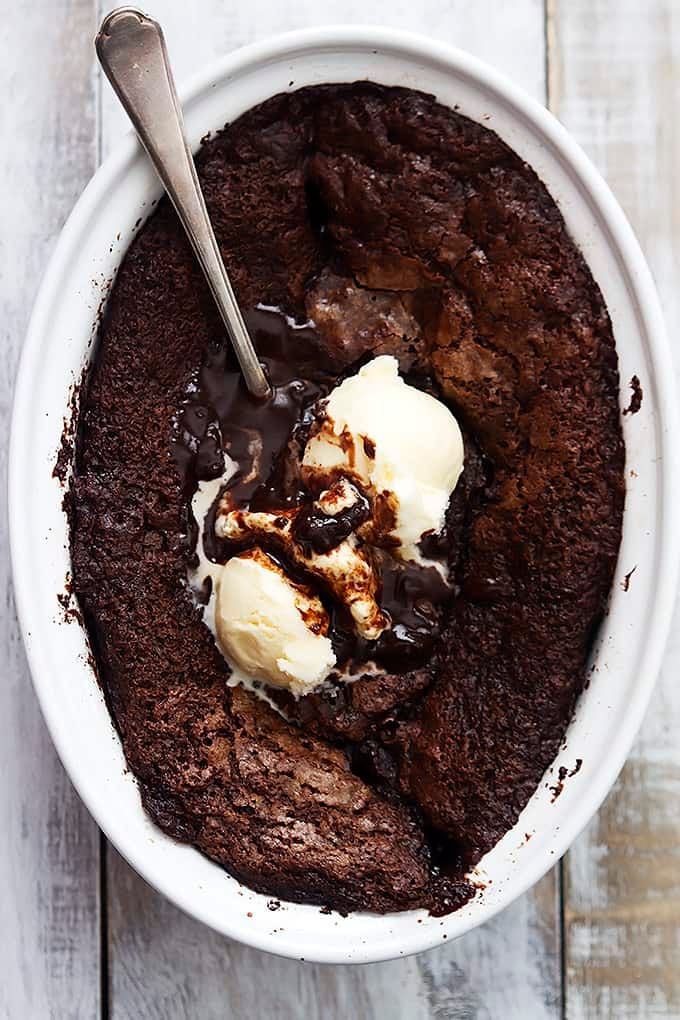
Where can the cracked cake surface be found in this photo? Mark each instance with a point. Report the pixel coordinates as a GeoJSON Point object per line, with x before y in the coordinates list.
{"type": "Point", "coordinates": [355, 221]}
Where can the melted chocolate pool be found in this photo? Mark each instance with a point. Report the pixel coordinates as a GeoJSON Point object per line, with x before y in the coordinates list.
{"type": "Point", "coordinates": [266, 439]}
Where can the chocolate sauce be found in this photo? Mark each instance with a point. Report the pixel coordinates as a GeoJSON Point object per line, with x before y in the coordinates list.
{"type": "Point", "coordinates": [266, 440]}
{"type": "Point", "coordinates": [220, 414]}
{"type": "Point", "coordinates": [320, 532]}
{"type": "Point", "coordinates": [414, 596]}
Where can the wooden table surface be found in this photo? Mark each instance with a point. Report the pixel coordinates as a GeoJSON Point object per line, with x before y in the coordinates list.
{"type": "Point", "coordinates": [80, 934]}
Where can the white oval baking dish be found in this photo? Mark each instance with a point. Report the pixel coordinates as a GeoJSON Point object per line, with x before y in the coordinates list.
{"type": "Point", "coordinates": [58, 346]}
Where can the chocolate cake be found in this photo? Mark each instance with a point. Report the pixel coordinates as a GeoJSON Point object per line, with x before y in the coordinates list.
{"type": "Point", "coordinates": [354, 221]}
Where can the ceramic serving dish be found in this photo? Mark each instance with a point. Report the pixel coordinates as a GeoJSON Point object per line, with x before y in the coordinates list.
{"type": "Point", "coordinates": [59, 345]}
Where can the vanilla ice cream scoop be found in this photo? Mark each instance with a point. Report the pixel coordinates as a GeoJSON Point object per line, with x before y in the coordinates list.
{"type": "Point", "coordinates": [401, 444]}
{"type": "Point", "coordinates": [343, 565]}
{"type": "Point", "coordinates": [269, 627]}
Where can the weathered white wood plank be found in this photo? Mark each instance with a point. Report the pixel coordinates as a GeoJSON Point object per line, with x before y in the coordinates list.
{"type": "Point", "coordinates": [616, 85]}
{"type": "Point", "coordinates": [510, 968]}
{"type": "Point", "coordinates": [197, 973]}
{"type": "Point", "coordinates": [49, 849]}
{"type": "Point", "coordinates": [164, 965]}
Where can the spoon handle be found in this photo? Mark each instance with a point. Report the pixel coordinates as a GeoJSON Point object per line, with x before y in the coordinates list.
{"type": "Point", "coordinates": [131, 49]}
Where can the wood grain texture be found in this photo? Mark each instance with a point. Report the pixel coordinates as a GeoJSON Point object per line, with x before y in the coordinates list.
{"type": "Point", "coordinates": [615, 83]}
{"type": "Point", "coordinates": [162, 964]}
{"type": "Point", "coordinates": [165, 965]}
{"type": "Point", "coordinates": [49, 922]}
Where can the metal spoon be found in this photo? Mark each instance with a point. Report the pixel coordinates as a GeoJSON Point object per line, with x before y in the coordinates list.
{"type": "Point", "coordinates": [131, 49]}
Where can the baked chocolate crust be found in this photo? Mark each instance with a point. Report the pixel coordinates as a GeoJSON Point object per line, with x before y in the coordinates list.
{"type": "Point", "coordinates": [399, 227]}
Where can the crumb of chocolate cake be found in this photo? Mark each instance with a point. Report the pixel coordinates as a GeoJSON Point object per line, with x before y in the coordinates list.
{"type": "Point", "coordinates": [557, 789]}
{"type": "Point", "coordinates": [635, 398]}
{"type": "Point", "coordinates": [68, 603]}
{"type": "Point", "coordinates": [64, 458]}
{"type": "Point", "coordinates": [625, 584]}
{"type": "Point", "coordinates": [563, 774]}
{"type": "Point", "coordinates": [353, 220]}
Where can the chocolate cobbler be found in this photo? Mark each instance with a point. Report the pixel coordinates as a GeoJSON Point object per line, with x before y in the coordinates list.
{"type": "Point", "coordinates": [442, 569]}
